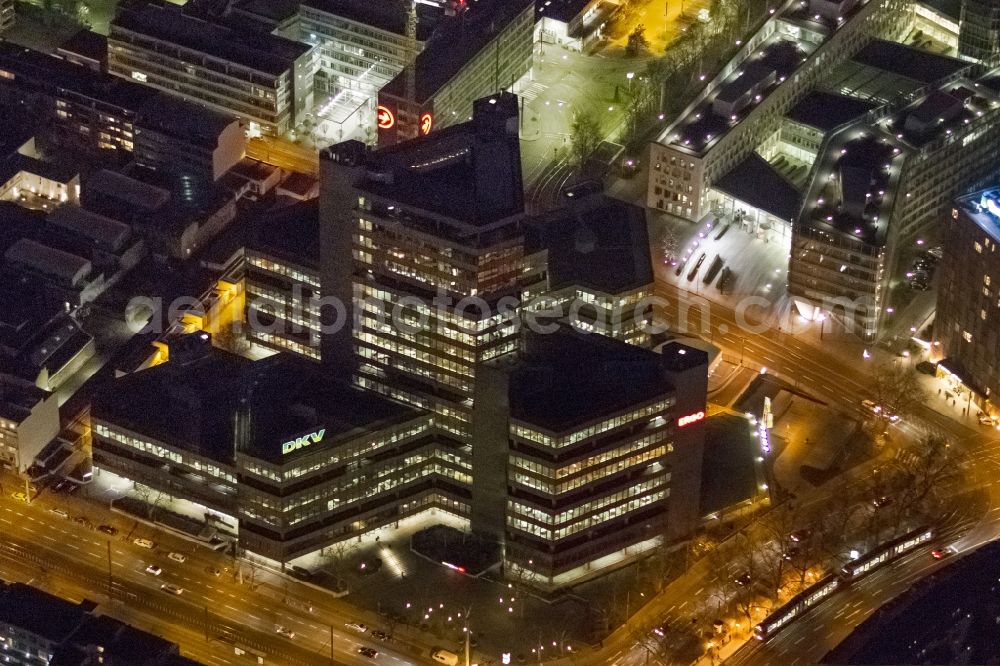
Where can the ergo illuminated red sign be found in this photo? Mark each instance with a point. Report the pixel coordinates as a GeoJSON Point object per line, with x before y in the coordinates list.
{"type": "Point", "coordinates": [689, 419]}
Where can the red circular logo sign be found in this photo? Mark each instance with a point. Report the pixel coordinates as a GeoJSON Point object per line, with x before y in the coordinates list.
{"type": "Point", "coordinates": [426, 122]}
{"type": "Point", "coordinates": [384, 117]}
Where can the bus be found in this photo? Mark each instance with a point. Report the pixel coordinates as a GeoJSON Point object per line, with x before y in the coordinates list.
{"type": "Point", "coordinates": [885, 553]}
{"type": "Point", "coordinates": [796, 606]}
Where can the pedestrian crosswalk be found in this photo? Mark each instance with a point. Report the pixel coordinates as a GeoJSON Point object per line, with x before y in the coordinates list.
{"type": "Point", "coordinates": [532, 91]}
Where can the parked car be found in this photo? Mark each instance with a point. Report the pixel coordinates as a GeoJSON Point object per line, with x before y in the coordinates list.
{"type": "Point", "coordinates": [144, 543]}
{"type": "Point", "coordinates": [178, 557]}
{"type": "Point", "coordinates": [107, 529]}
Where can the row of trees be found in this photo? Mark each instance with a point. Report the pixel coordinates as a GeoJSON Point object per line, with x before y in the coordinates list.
{"type": "Point", "coordinates": [770, 567]}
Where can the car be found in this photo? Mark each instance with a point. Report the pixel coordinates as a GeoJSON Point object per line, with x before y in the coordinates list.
{"type": "Point", "coordinates": [882, 501]}
{"type": "Point", "coordinates": [369, 566]}
{"type": "Point", "coordinates": [172, 589]}
{"type": "Point", "coordinates": [60, 512]}
{"type": "Point", "coordinates": [877, 409]}
{"type": "Point", "coordinates": [154, 569]}
{"type": "Point", "coordinates": [107, 529]}
{"type": "Point", "coordinates": [144, 543]}
{"type": "Point", "coordinates": [744, 579]}
{"type": "Point", "coordinates": [798, 536]}
{"type": "Point", "coordinates": [662, 629]}
{"type": "Point", "coordinates": [941, 553]}
{"type": "Point", "coordinates": [368, 652]}
{"type": "Point", "coordinates": [285, 631]}
{"type": "Point", "coordinates": [299, 572]}
{"type": "Point", "coordinates": [357, 626]}
{"type": "Point", "coordinates": [20, 496]}
{"type": "Point", "coordinates": [791, 553]}
{"type": "Point", "coordinates": [380, 635]}
{"type": "Point", "coordinates": [215, 571]}
{"type": "Point", "coordinates": [178, 557]}
{"type": "Point", "coordinates": [985, 419]}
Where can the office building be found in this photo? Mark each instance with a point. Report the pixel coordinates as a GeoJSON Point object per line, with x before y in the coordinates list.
{"type": "Point", "coordinates": [29, 420]}
{"type": "Point", "coordinates": [878, 185]}
{"type": "Point", "coordinates": [967, 320]}
{"type": "Point", "coordinates": [483, 50]}
{"type": "Point", "coordinates": [572, 24]}
{"type": "Point", "coordinates": [283, 281]}
{"type": "Point", "coordinates": [300, 460]}
{"type": "Point", "coordinates": [362, 46]}
{"type": "Point", "coordinates": [86, 110]}
{"type": "Point", "coordinates": [979, 30]}
{"type": "Point", "coordinates": [87, 49]}
{"type": "Point", "coordinates": [743, 105]}
{"type": "Point", "coordinates": [434, 227]}
{"type": "Point", "coordinates": [598, 448]}
{"type": "Point", "coordinates": [7, 15]}
{"type": "Point", "coordinates": [263, 79]}
{"type": "Point", "coordinates": [594, 256]}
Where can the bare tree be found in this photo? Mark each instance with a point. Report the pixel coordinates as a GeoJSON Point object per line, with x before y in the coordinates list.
{"type": "Point", "coordinates": [896, 392]}
{"type": "Point", "coordinates": [336, 557]}
{"type": "Point", "coordinates": [585, 137]}
{"type": "Point", "coordinates": [232, 338]}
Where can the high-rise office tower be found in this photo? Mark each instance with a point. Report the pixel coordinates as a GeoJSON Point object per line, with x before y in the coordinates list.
{"type": "Point", "coordinates": [979, 29]}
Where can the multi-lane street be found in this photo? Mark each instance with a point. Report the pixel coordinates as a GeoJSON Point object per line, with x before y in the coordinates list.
{"type": "Point", "coordinates": [214, 614]}
{"type": "Point", "coordinates": [976, 493]}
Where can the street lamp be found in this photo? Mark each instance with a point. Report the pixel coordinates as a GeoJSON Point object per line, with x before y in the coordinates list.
{"type": "Point", "coordinates": [630, 76]}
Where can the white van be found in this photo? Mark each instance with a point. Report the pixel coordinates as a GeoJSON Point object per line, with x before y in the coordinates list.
{"type": "Point", "coordinates": [445, 657]}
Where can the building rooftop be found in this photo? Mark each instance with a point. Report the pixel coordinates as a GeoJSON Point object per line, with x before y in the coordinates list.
{"type": "Point", "coordinates": [287, 397]}
{"type": "Point", "coordinates": [454, 44]}
{"type": "Point", "coordinates": [390, 15]}
{"type": "Point", "coordinates": [272, 11]}
{"type": "Point", "coordinates": [188, 404]}
{"type": "Point", "coordinates": [763, 71]}
{"type": "Point", "coordinates": [15, 163]}
{"type": "Point", "coordinates": [596, 242]}
{"type": "Point", "coordinates": [40, 613]}
{"type": "Point", "coordinates": [104, 232]}
{"type": "Point", "coordinates": [470, 172]}
{"type": "Point", "coordinates": [826, 111]}
{"type": "Point", "coordinates": [908, 61]}
{"type": "Point", "coordinates": [950, 8]}
{"type": "Point", "coordinates": [120, 642]}
{"type": "Point", "coordinates": [18, 396]}
{"type": "Point", "coordinates": [187, 122]}
{"type": "Point", "coordinates": [131, 192]}
{"type": "Point", "coordinates": [552, 389]}
{"type": "Point", "coordinates": [34, 68]}
{"type": "Point", "coordinates": [168, 23]}
{"type": "Point", "coordinates": [943, 111]}
{"type": "Point", "coordinates": [63, 267]}
{"type": "Point", "coordinates": [86, 44]}
{"type": "Point", "coordinates": [291, 233]}
{"type": "Point", "coordinates": [754, 181]}
{"type": "Point", "coordinates": [560, 10]}
{"type": "Point", "coordinates": [25, 310]}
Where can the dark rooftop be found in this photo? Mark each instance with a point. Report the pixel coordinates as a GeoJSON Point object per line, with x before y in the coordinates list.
{"type": "Point", "coordinates": [454, 44]}
{"type": "Point", "coordinates": [755, 182]}
{"type": "Point", "coordinates": [470, 172]}
{"type": "Point", "coordinates": [289, 397]}
{"type": "Point", "coordinates": [908, 61]}
{"type": "Point", "coordinates": [388, 15]}
{"type": "Point", "coordinates": [188, 405]}
{"type": "Point", "coordinates": [825, 111]}
{"type": "Point", "coordinates": [259, 51]}
{"type": "Point", "coordinates": [18, 397]}
{"type": "Point", "coordinates": [87, 43]}
{"type": "Point", "coordinates": [121, 643]}
{"type": "Point", "coordinates": [274, 11]}
{"type": "Point", "coordinates": [550, 387]}
{"type": "Point", "coordinates": [596, 242]}
{"type": "Point", "coordinates": [14, 163]}
{"type": "Point", "coordinates": [559, 10]}
{"type": "Point", "coordinates": [39, 612]}
{"type": "Point", "coordinates": [291, 233]}
{"type": "Point", "coordinates": [39, 69]}
{"type": "Point", "coordinates": [187, 122]}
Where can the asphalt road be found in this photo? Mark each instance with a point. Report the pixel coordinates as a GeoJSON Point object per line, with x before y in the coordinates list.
{"type": "Point", "coordinates": [844, 385]}
{"type": "Point", "coordinates": [214, 609]}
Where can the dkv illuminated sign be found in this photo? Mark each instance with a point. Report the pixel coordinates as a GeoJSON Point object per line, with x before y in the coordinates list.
{"type": "Point", "coordinates": [302, 442]}
{"type": "Point", "coordinates": [689, 419]}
